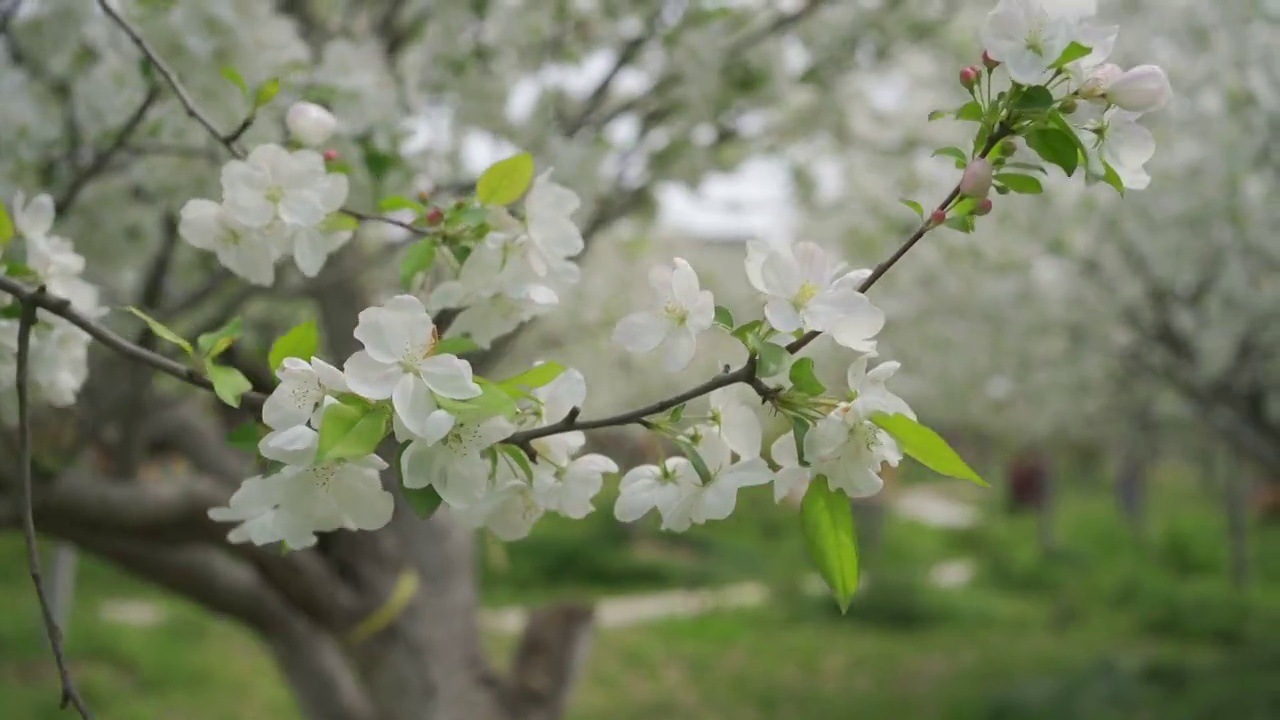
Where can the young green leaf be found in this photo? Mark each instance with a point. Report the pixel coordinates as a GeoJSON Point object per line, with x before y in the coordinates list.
{"type": "Point", "coordinates": [235, 78]}
{"type": "Point", "coordinates": [162, 332]}
{"type": "Point", "coordinates": [723, 317]}
{"type": "Point", "coordinates": [1023, 184]}
{"type": "Point", "coordinates": [229, 384]}
{"type": "Point", "coordinates": [961, 157]}
{"type": "Point", "coordinates": [267, 92]}
{"type": "Point", "coordinates": [964, 223]}
{"type": "Point", "coordinates": [799, 429]}
{"type": "Point", "coordinates": [419, 259]}
{"type": "Point", "coordinates": [494, 400]}
{"type": "Point", "coordinates": [506, 180]}
{"type": "Point", "coordinates": [246, 436]}
{"type": "Point", "coordinates": [456, 345]}
{"type": "Point", "coordinates": [424, 501]}
{"type": "Point", "coordinates": [915, 207]}
{"type": "Point", "coordinates": [1112, 178]}
{"type": "Point", "coordinates": [6, 226]}
{"type": "Point", "coordinates": [1072, 53]}
{"type": "Point", "coordinates": [536, 376]}
{"type": "Point", "coordinates": [347, 432]}
{"type": "Point", "coordinates": [803, 379]}
{"type": "Point", "coordinates": [827, 520]}
{"type": "Point", "coordinates": [771, 360]}
{"type": "Point", "coordinates": [300, 341]}
{"type": "Point", "coordinates": [516, 456]}
{"type": "Point", "coordinates": [340, 222]}
{"type": "Point", "coordinates": [400, 202]}
{"type": "Point", "coordinates": [1034, 98]}
{"type": "Point", "coordinates": [970, 111]}
{"type": "Point", "coordinates": [212, 344]}
{"type": "Point", "coordinates": [926, 446]}
{"type": "Point", "coordinates": [1056, 147]}
{"type": "Point", "coordinates": [695, 459]}
{"type": "Point", "coordinates": [938, 115]}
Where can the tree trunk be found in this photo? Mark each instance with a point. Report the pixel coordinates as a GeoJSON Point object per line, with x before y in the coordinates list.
{"type": "Point", "coordinates": [1235, 494]}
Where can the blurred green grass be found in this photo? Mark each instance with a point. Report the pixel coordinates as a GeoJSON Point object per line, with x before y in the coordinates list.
{"type": "Point", "coordinates": [1107, 627]}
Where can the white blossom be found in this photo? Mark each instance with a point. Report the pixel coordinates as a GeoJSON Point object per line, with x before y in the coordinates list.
{"type": "Point", "coordinates": [871, 394]}
{"type": "Point", "coordinates": [684, 311]}
{"type": "Point", "coordinates": [735, 422]}
{"type": "Point", "coordinates": [791, 477]}
{"type": "Point", "coordinates": [454, 465]}
{"type": "Point", "coordinates": [1024, 36]}
{"type": "Point", "coordinates": [273, 183]}
{"type": "Point", "coordinates": [552, 234]}
{"type": "Point", "coordinates": [714, 498]}
{"type": "Point", "coordinates": [809, 290]}
{"type": "Point", "coordinates": [299, 398]}
{"type": "Point", "coordinates": [849, 450]}
{"type": "Point", "coordinates": [397, 362]}
{"type": "Point", "coordinates": [247, 252]}
{"type": "Point", "coordinates": [1116, 138]}
{"type": "Point", "coordinates": [1142, 89]}
{"type": "Point", "coordinates": [648, 487]}
{"type": "Point", "coordinates": [569, 489]}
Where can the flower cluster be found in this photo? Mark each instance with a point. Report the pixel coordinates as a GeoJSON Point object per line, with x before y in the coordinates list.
{"type": "Point", "coordinates": [275, 204]}
{"type": "Point", "coordinates": [1040, 44]}
{"type": "Point", "coordinates": [513, 273]}
{"type": "Point", "coordinates": [59, 350]}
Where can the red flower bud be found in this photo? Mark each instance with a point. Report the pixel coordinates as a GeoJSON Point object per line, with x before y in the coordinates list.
{"type": "Point", "coordinates": [330, 155]}
{"type": "Point", "coordinates": [969, 76]}
{"type": "Point", "coordinates": [937, 217]}
{"type": "Point", "coordinates": [989, 61]}
{"type": "Point", "coordinates": [435, 216]}
{"type": "Point", "coordinates": [984, 207]}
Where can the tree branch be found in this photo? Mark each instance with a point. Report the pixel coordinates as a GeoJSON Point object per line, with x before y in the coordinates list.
{"type": "Point", "coordinates": [61, 307]}
{"type": "Point", "coordinates": [25, 322]}
{"type": "Point", "coordinates": [102, 159]}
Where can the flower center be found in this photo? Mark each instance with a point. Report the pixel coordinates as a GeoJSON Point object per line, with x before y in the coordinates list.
{"type": "Point", "coordinates": [275, 194]}
{"type": "Point", "coordinates": [675, 312]}
{"type": "Point", "coordinates": [1035, 39]}
{"type": "Point", "coordinates": [807, 292]}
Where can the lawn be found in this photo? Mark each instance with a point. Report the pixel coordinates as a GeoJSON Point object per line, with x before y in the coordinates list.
{"type": "Point", "coordinates": [1109, 628]}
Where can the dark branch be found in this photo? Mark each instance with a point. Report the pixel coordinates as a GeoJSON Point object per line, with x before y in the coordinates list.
{"type": "Point", "coordinates": [103, 159]}
{"type": "Point", "coordinates": [25, 323]}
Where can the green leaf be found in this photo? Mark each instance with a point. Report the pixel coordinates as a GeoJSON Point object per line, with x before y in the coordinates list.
{"type": "Point", "coordinates": [424, 501]}
{"type": "Point", "coordinates": [799, 429]}
{"type": "Point", "coordinates": [419, 259]}
{"type": "Point", "coordinates": [1072, 53]}
{"type": "Point", "coordinates": [927, 447]}
{"type": "Point", "coordinates": [229, 384]}
{"type": "Point", "coordinates": [1033, 167]}
{"type": "Point", "coordinates": [827, 519]}
{"type": "Point", "coordinates": [1023, 184]}
{"type": "Point", "coordinates": [400, 202]}
{"type": "Point", "coordinates": [964, 223]}
{"type": "Point", "coordinates": [970, 111]}
{"type": "Point", "coordinates": [803, 379]}
{"type": "Point", "coordinates": [212, 344]}
{"type": "Point", "coordinates": [162, 332]}
{"type": "Point", "coordinates": [246, 436]}
{"type": "Point", "coordinates": [506, 180]}
{"type": "Point", "coordinates": [301, 341]}
{"type": "Point", "coordinates": [695, 459]}
{"type": "Point", "coordinates": [466, 217]}
{"type": "Point", "coordinates": [961, 157]}
{"type": "Point", "coordinates": [748, 332]}
{"type": "Point", "coordinates": [771, 360]}
{"type": "Point", "coordinates": [267, 92]}
{"type": "Point", "coordinates": [938, 115]}
{"type": "Point", "coordinates": [457, 345]}
{"type": "Point", "coordinates": [494, 400]}
{"type": "Point", "coordinates": [377, 162]}
{"type": "Point", "coordinates": [340, 222]}
{"type": "Point", "coordinates": [1057, 147]}
{"type": "Point", "coordinates": [6, 226]}
{"type": "Point", "coordinates": [235, 78]}
{"type": "Point", "coordinates": [536, 376]}
{"type": "Point", "coordinates": [915, 206]}
{"type": "Point", "coordinates": [348, 433]}
{"type": "Point", "coordinates": [1112, 178]}
{"type": "Point", "coordinates": [517, 456]}
{"type": "Point", "coordinates": [724, 318]}
{"type": "Point", "coordinates": [1034, 98]}
{"type": "Point", "coordinates": [677, 412]}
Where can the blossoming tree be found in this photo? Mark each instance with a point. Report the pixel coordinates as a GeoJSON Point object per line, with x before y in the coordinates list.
{"type": "Point", "coordinates": [378, 452]}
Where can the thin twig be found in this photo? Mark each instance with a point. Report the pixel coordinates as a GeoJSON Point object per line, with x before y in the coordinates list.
{"type": "Point", "coordinates": [170, 78]}
{"type": "Point", "coordinates": [102, 159]}
{"type": "Point", "coordinates": [62, 308]}
{"type": "Point", "coordinates": [26, 321]}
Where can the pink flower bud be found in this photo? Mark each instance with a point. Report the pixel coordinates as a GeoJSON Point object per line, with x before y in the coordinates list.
{"type": "Point", "coordinates": [330, 155]}
{"type": "Point", "coordinates": [435, 217]}
{"type": "Point", "coordinates": [969, 76]}
{"type": "Point", "coordinates": [1144, 88]}
{"type": "Point", "coordinates": [984, 207]}
{"type": "Point", "coordinates": [937, 217]}
{"type": "Point", "coordinates": [309, 123]}
{"type": "Point", "coordinates": [990, 62]}
{"type": "Point", "coordinates": [976, 181]}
